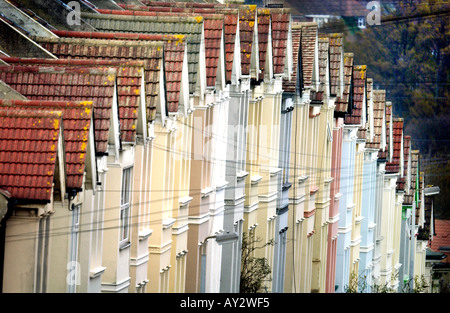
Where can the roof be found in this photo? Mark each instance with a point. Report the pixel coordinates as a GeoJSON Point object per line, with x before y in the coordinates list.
{"type": "Point", "coordinates": [379, 97]}
{"type": "Point", "coordinates": [415, 159]}
{"type": "Point", "coordinates": [249, 14]}
{"type": "Point", "coordinates": [344, 103]}
{"type": "Point", "coordinates": [336, 58]}
{"type": "Point", "coordinates": [402, 181]}
{"type": "Point", "coordinates": [427, 231]}
{"type": "Point", "coordinates": [29, 142]}
{"type": "Point", "coordinates": [176, 7]}
{"type": "Point", "coordinates": [263, 39]}
{"type": "Point", "coordinates": [308, 44]}
{"type": "Point", "coordinates": [397, 133]}
{"type": "Point", "coordinates": [230, 20]}
{"type": "Point", "coordinates": [388, 111]}
{"type": "Point", "coordinates": [323, 48]}
{"type": "Point", "coordinates": [68, 84]}
{"type": "Point", "coordinates": [212, 24]}
{"type": "Point", "coordinates": [359, 89]}
{"type": "Point", "coordinates": [280, 29]}
{"type": "Point", "coordinates": [129, 76]}
{"type": "Point", "coordinates": [441, 237]}
{"type": "Point", "coordinates": [230, 27]}
{"type": "Point", "coordinates": [74, 45]}
{"type": "Point", "coordinates": [180, 4]}
{"type": "Point", "coordinates": [76, 118]}
{"type": "Point", "coordinates": [290, 84]}
{"type": "Point", "coordinates": [189, 26]}
{"type": "Point", "coordinates": [364, 132]}
{"type": "Point", "coordinates": [247, 20]}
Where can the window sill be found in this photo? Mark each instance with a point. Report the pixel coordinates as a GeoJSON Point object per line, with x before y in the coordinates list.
{"type": "Point", "coordinates": [144, 234]}
{"type": "Point", "coordinates": [256, 179]}
{"type": "Point", "coordinates": [96, 272]}
{"type": "Point", "coordinates": [123, 245]}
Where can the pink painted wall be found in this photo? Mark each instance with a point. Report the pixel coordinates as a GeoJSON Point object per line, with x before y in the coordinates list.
{"type": "Point", "coordinates": [334, 204]}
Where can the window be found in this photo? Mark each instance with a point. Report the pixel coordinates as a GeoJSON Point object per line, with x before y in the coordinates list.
{"type": "Point", "coordinates": [125, 200]}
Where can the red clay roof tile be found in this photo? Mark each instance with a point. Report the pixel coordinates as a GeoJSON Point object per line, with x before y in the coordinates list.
{"type": "Point", "coordinates": [442, 235]}
{"type": "Point", "coordinates": [359, 83]}
{"type": "Point", "coordinates": [308, 45]}
{"type": "Point", "coordinates": [213, 27]}
{"type": "Point", "coordinates": [230, 26]}
{"type": "Point", "coordinates": [336, 57]}
{"type": "Point", "coordinates": [290, 85]}
{"type": "Point", "coordinates": [280, 19]}
{"type": "Point", "coordinates": [263, 39]}
{"type": "Point", "coordinates": [247, 19]}
{"type": "Point", "coordinates": [378, 114]}
{"type": "Point", "coordinates": [150, 52]}
{"type": "Point", "coordinates": [394, 165]}
{"type": "Point", "coordinates": [156, 23]}
{"type": "Point", "coordinates": [129, 75]}
{"type": "Point", "coordinates": [229, 11]}
{"type": "Point", "coordinates": [29, 141]}
{"type": "Point", "coordinates": [323, 48]}
{"type": "Point", "coordinates": [343, 103]}
{"type": "Point", "coordinates": [76, 117]}
{"type": "Point", "coordinates": [68, 84]}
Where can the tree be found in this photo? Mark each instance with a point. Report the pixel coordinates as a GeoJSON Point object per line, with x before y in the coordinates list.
{"type": "Point", "coordinates": [254, 271]}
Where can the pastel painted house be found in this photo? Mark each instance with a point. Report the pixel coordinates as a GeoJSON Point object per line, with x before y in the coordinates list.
{"type": "Point", "coordinates": [379, 142]}
{"type": "Point", "coordinates": [30, 171]}
{"type": "Point", "coordinates": [357, 118]}
{"type": "Point", "coordinates": [292, 90]}
{"type": "Point", "coordinates": [347, 175]}
{"type": "Point", "coordinates": [395, 170]}
{"type": "Point", "coordinates": [284, 180]}
{"type": "Point", "coordinates": [209, 112]}
{"type": "Point", "coordinates": [263, 183]}
{"type": "Point", "coordinates": [209, 147]}
{"type": "Point", "coordinates": [40, 86]}
{"type": "Point", "coordinates": [336, 80]}
{"type": "Point", "coordinates": [303, 165]}
{"type": "Point", "coordinates": [128, 96]}
{"type": "Point", "coordinates": [167, 136]}
{"type": "Point", "coordinates": [408, 227]}
{"type": "Point", "coordinates": [371, 130]}
{"type": "Point", "coordinates": [325, 149]}
{"type": "Point", "coordinates": [79, 143]}
{"type": "Point", "coordinates": [158, 115]}
{"type": "Point", "coordinates": [387, 217]}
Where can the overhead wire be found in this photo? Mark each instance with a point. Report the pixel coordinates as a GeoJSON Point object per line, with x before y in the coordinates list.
{"type": "Point", "coordinates": [295, 166]}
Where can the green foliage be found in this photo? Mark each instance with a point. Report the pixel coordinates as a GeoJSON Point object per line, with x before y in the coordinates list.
{"type": "Point", "coordinates": [358, 284]}
{"type": "Point", "coordinates": [254, 271]}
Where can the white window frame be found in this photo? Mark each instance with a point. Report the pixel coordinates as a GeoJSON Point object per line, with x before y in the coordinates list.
{"type": "Point", "coordinates": [125, 204]}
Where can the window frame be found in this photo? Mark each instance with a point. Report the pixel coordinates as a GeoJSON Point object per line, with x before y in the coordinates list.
{"type": "Point", "coordinates": [125, 204]}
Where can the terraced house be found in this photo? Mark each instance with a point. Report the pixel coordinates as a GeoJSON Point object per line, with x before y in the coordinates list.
{"type": "Point", "coordinates": [141, 141]}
